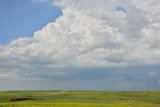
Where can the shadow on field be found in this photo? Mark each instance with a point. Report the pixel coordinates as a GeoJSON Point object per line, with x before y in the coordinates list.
{"type": "Point", "coordinates": [28, 98]}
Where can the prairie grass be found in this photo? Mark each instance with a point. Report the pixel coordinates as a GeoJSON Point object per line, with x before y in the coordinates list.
{"type": "Point", "coordinates": [72, 104]}
{"type": "Point", "coordinates": [81, 99]}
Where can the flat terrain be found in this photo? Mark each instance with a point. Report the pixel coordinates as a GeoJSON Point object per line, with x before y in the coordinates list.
{"type": "Point", "coordinates": [60, 98]}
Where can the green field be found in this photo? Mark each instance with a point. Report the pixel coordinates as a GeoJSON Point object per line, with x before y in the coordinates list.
{"type": "Point", "coordinates": [81, 99]}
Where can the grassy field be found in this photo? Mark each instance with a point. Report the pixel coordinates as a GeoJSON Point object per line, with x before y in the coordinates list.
{"type": "Point", "coordinates": [81, 99]}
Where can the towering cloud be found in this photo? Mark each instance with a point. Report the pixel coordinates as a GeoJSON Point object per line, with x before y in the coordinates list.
{"type": "Point", "coordinates": [90, 33]}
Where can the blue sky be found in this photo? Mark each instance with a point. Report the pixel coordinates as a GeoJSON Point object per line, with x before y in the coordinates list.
{"type": "Point", "coordinates": [21, 18]}
{"type": "Point", "coordinates": [74, 45]}
{"type": "Point", "coordinates": [121, 8]}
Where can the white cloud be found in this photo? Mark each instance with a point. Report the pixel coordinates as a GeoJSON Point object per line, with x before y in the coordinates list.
{"type": "Point", "coordinates": [152, 7]}
{"type": "Point", "coordinates": [152, 75]}
{"type": "Point", "coordinates": [8, 75]}
{"type": "Point", "coordinates": [41, 0]}
{"type": "Point", "coordinates": [91, 33]}
{"type": "Point", "coordinates": [158, 83]}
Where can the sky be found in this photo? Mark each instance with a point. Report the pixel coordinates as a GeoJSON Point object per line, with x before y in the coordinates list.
{"type": "Point", "coordinates": [80, 45]}
{"type": "Point", "coordinates": [20, 18]}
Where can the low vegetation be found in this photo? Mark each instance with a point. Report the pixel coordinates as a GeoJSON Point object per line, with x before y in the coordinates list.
{"type": "Point", "coordinates": [79, 99]}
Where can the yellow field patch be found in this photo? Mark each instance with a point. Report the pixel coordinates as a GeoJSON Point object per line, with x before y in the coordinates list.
{"type": "Point", "coordinates": [72, 104]}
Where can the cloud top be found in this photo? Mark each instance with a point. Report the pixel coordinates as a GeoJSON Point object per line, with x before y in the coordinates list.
{"type": "Point", "coordinates": [90, 34]}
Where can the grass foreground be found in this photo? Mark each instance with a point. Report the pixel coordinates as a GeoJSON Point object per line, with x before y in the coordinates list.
{"type": "Point", "coordinates": [81, 99]}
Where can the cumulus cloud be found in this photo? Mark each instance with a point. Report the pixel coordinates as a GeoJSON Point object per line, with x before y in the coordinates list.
{"type": "Point", "coordinates": [90, 34]}
{"type": "Point", "coordinates": [152, 74]}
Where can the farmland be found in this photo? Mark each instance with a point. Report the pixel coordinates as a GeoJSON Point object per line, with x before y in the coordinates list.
{"type": "Point", "coordinates": [59, 98]}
